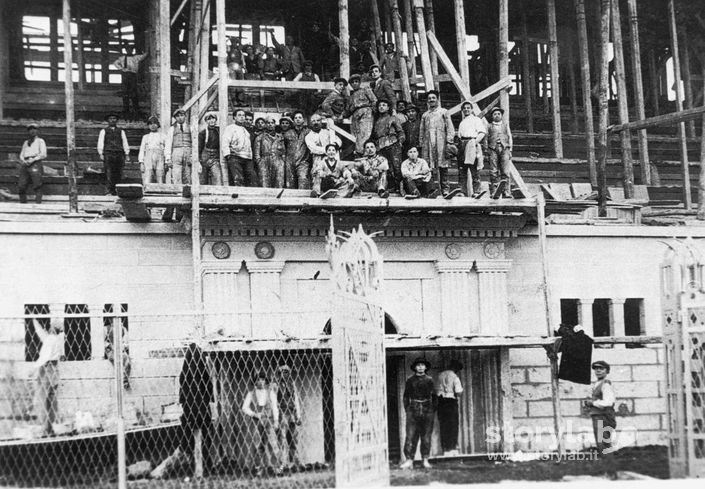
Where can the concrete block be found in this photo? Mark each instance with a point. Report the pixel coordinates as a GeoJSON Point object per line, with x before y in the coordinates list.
{"type": "Point", "coordinates": [157, 367]}
{"type": "Point", "coordinates": [518, 375]}
{"type": "Point", "coordinates": [651, 405]}
{"type": "Point", "coordinates": [519, 409]}
{"type": "Point", "coordinates": [570, 390]}
{"type": "Point", "coordinates": [640, 422]}
{"type": "Point", "coordinates": [636, 389]}
{"type": "Point", "coordinates": [86, 388]}
{"type": "Point", "coordinates": [628, 356]}
{"type": "Point", "coordinates": [156, 386]}
{"type": "Point", "coordinates": [621, 373]}
{"type": "Point", "coordinates": [648, 372]}
{"type": "Point", "coordinates": [644, 438]}
{"type": "Point", "coordinates": [528, 357]}
{"type": "Point", "coordinates": [163, 258]}
{"type": "Point", "coordinates": [532, 392]}
{"type": "Point", "coordinates": [624, 407]}
{"type": "Point", "coordinates": [545, 408]}
{"type": "Point", "coordinates": [539, 374]}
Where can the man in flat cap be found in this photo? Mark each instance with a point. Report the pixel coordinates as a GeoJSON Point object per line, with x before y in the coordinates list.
{"type": "Point", "coordinates": [333, 106]}
{"type": "Point", "coordinates": [361, 103]}
{"type": "Point", "coordinates": [34, 151]}
{"type": "Point", "coordinates": [113, 151]}
{"type": "Point", "coordinates": [601, 407]}
{"type": "Point", "coordinates": [389, 138]}
{"type": "Point", "coordinates": [499, 144]}
{"type": "Point", "coordinates": [420, 406]}
{"type": "Point", "coordinates": [151, 155]}
{"type": "Point", "coordinates": [436, 132]}
{"type": "Point", "coordinates": [209, 152]}
{"type": "Point", "coordinates": [382, 87]}
{"type": "Point", "coordinates": [178, 149]}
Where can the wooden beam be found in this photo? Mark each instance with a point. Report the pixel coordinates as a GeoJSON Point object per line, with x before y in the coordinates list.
{"type": "Point", "coordinates": [403, 72]}
{"type": "Point", "coordinates": [441, 55]}
{"type": "Point", "coordinates": [187, 106]}
{"type": "Point", "coordinates": [79, 52]}
{"type": "Point", "coordinates": [70, 116]}
{"type": "Point", "coordinates": [503, 54]}
{"type": "Point", "coordinates": [222, 79]}
{"type": "Point", "coordinates": [192, 67]}
{"type": "Point", "coordinates": [378, 29]}
{"type": "Point", "coordinates": [555, 79]}
{"type": "Point", "coordinates": [622, 101]}
{"type": "Point", "coordinates": [645, 165]}
{"type": "Point", "coordinates": [660, 120]}
{"type": "Point", "coordinates": [4, 56]}
{"type": "Point", "coordinates": [572, 83]}
{"type": "Point", "coordinates": [411, 46]}
{"type": "Point", "coordinates": [679, 102]}
{"type": "Point", "coordinates": [204, 40]}
{"type": "Point", "coordinates": [701, 179]}
{"type": "Point", "coordinates": [178, 12]}
{"type": "Point", "coordinates": [605, 9]}
{"type": "Point", "coordinates": [687, 78]}
{"type": "Point", "coordinates": [280, 85]}
{"type": "Point", "coordinates": [487, 92]}
{"type": "Point", "coordinates": [585, 86]}
{"type": "Point", "coordinates": [344, 39]}
{"type": "Point", "coordinates": [526, 69]}
{"type": "Point", "coordinates": [423, 41]}
{"type": "Point", "coordinates": [431, 26]}
{"type": "Point", "coordinates": [154, 58]}
{"type": "Point", "coordinates": [461, 41]}
{"type": "Point", "coordinates": [164, 41]}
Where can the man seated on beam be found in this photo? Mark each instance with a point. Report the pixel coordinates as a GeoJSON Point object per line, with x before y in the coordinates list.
{"type": "Point", "coordinates": [370, 172]}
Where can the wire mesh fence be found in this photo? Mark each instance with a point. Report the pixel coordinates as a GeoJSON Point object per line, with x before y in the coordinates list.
{"type": "Point", "coordinates": [235, 411]}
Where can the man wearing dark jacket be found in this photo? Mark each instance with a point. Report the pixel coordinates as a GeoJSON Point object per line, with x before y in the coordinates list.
{"type": "Point", "coordinates": [209, 151]}
{"type": "Point", "coordinates": [420, 406]}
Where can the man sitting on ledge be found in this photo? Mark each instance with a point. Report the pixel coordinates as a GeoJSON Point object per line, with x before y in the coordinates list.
{"type": "Point", "coordinates": [330, 177]}
{"type": "Point", "coordinates": [370, 172]}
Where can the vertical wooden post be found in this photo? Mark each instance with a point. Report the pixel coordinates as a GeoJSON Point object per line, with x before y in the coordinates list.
{"type": "Point", "coordinates": [586, 88]}
{"type": "Point", "coordinates": [526, 69]}
{"type": "Point", "coordinates": [572, 83]}
{"type": "Point", "coordinates": [461, 41]}
{"type": "Point", "coordinates": [105, 49]}
{"type": "Point", "coordinates": [555, 79]}
{"type": "Point", "coordinates": [431, 26]}
{"type": "Point", "coordinates": [679, 103]}
{"type": "Point", "coordinates": [654, 81]}
{"type": "Point", "coordinates": [544, 78]}
{"type": "Point", "coordinates": [423, 41]}
{"type": "Point", "coordinates": [70, 117]}
{"type": "Point", "coordinates": [622, 101]}
{"type": "Point", "coordinates": [503, 54]}
{"type": "Point", "coordinates": [79, 53]}
{"type": "Point", "coordinates": [53, 49]}
{"type": "Point", "coordinates": [687, 79]}
{"type": "Point", "coordinates": [645, 165]}
{"type": "Point", "coordinates": [388, 26]}
{"type": "Point", "coordinates": [379, 43]}
{"type": "Point", "coordinates": [155, 56]}
{"type": "Point", "coordinates": [222, 78]}
{"type": "Point", "coordinates": [344, 37]}
{"type": "Point", "coordinates": [204, 57]}
{"type": "Point", "coordinates": [403, 73]}
{"type": "Point", "coordinates": [411, 46]}
{"type": "Point", "coordinates": [605, 8]}
{"type": "Point", "coordinates": [164, 40]}
{"type": "Point", "coordinates": [191, 66]}
{"type": "Point", "coordinates": [701, 180]}
{"type": "Point", "coordinates": [196, 248]}
{"type": "Point", "coordinates": [4, 57]}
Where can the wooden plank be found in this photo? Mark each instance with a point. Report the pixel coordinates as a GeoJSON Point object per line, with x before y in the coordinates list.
{"type": "Point", "coordinates": [622, 101]}
{"type": "Point", "coordinates": [164, 42]}
{"type": "Point", "coordinates": [526, 68]}
{"type": "Point", "coordinates": [661, 120]}
{"type": "Point", "coordinates": [423, 41]}
{"type": "Point", "coordinates": [70, 115]}
{"type": "Point", "coordinates": [616, 194]}
{"type": "Point", "coordinates": [561, 190]}
{"type": "Point", "coordinates": [135, 210]}
{"type": "Point", "coordinates": [280, 85]}
{"type": "Point", "coordinates": [461, 41]}
{"type": "Point", "coordinates": [431, 27]}
{"type": "Point", "coordinates": [343, 133]}
{"type": "Point", "coordinates": [344, 39]}
{"type": "Point", "coordinates": [555, 79]}
{"type": "Point", "coordinates": [403, 72]}
{"type": "Point", "coordinates": [503, 53]}
{"type": "Point", "coordinates": [603, 106]}
{"type": "Point", "coordinates": [410, 46]}
{"type": "Point", "coordinates": [546, 189]}
{"type": "Point", "coordinates": [178, 12]}
{"type": "Point", "coordinates": [645, 167]}
{"type": "Point", "coordinates": [203, 91]}
{"type": "Point", "coordinates": [223, 81]}
{"type": "Point", "coordinates": [585, 85]}
{"type": "Point", "coordinates": [580, 189]}
{"type": "Point", "coordinates": [462, 87]}
{"type": "Point", "coordinates": [487, 92]}
{"type": "Point", "coordinates": [130, 191]}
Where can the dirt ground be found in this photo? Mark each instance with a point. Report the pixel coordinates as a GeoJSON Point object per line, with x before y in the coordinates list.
{"type": "Point", "coordinates": [649, 460]}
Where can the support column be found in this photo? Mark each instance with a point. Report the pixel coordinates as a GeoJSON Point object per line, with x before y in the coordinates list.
{"type": "Point", "coordinates": [555, 79]}
{"type": "Point", "coordinates": [586, 88]}
{"type": "Point", "coordinates": [4, 57]}
{"type": "Point", "coordinates": [526, 70]}
{"type": "Point", "coordinates": [431, 26]}
{"type": "Point", "coordinates": [605, 8]}
{"type": "Point", "coordinates": [379, 42]}
{"type": "Point", "coordinates": [70, 117]}
{"type": "Point", "coordinates": [154, 57]}
{"type": "Point", "coordinates": [80, 61]}
{"type": "Point", "coordinates": [423, 41]}
{"type": "Point", "coordinates": [460, 41]}
{"type": "Point", "coordinates": [344, 38]}
{"type": "Point", "coordinates": [411, 47]}
{"type": "Point", "coordinates": [204, 57]}
{"type": "Point", "coordinates": [503, 54]}
{"type": "Point", "coordinates": [265, 296]}
{"type": "Point", "coordinates": [192, 65]}
{"type": "Point", "coordinates": [679, 103]}
{"type": "Point", "coordinates": [585, 315]}
{"type": "Point", "coordinates": [222, 78]}
{"type": "Point", "coordinates": [97, 330]}
{"type": "Point", "coordinates": [645, 165]}
{"type": "Point", "coordinates": [54, 48]}
{"type": "Point", "coordinates": [687, 79]}
{"type": "Point", "coordinates": [164, 41]}
{"type": "Point", "coordinates": [493, 297]}
{"type": "Point", "coordinates": [570, 66]}
{"type": "Point", "coordinates": [617, 317]}
{"type": "Point", "coordinates": [622, 101]}
{"type": "Point", "coordinates": [403, 73]}
{"type": "Point", "coordinates": [220, 295]}
{"type": "Point", "coordinates": [455, 292]}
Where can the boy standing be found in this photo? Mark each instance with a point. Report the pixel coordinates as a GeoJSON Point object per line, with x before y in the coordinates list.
{"type": "Point", "coordinates": [499, 144]}
{"type": "Point", "coordinates": [601, 406]}
{"type": "Point", "coordinates": [151, 155]}
{"type": "Point", "coordinates": [34, 151]}
{"type": "Point", "coordinates": [420, 406]}
{"type": "Point", "coordinates": [47, 366]}
{"type": "Point", "coordinates": [113, 151]}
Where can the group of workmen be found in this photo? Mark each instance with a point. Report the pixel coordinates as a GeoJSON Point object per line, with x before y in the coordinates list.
{"type": "Point", "coordinates": [398, 148]}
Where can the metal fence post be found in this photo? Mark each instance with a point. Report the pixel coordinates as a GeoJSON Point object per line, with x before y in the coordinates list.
{"type": "Point", "coordinates": [117, 355]}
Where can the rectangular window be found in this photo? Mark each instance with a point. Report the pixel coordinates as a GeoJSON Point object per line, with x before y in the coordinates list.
{"type": "Point", "coordinates": [634, 324]}
{"type": "Point", "coordinates": [569, 311]}
{"type": "Point", "coordinates": [32, 343]}
{"type": "Point", "coordinates": [111, 318]}
{"type": "Point", "coordinates": [601, 317]}
{"type": "Point", "coordinates": [77, 328]}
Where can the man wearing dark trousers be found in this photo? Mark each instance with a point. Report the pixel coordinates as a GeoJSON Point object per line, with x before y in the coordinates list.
{"type": "Point", "coordinates": [113, 151]}
{"type": "Point", "coordinates": [420, 406]}
{"type": "Point", "coordinates": [34, 151]}
{"type": "Point", "coordinates": [448, 389]}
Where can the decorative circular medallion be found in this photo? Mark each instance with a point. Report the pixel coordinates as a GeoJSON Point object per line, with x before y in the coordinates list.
{"type": "Point", "coordinates": [453, 251]}
{"type": "Point", "coordinates": [492, 250]}
{"type": "Point", "coordinates": [221, 250]}
{"type": "Point", "coordinates": [264, 250]}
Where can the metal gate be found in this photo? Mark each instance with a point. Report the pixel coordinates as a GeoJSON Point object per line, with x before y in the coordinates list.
{"type": "Point", "coordinates": [359, 378]}
{"type": "Point", "coordinates": [683, 300]}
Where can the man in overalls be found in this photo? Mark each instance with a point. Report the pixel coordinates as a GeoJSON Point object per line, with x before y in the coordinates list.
{"type": "Point", "coordinates": [420, 406]}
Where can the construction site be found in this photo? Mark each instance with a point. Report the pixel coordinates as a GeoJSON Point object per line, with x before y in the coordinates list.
{"type": "Point", "coordinates": [333, 301]}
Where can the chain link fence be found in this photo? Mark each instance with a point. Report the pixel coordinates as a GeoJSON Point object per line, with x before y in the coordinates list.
{"type": "Point", "coordinates": [92, 396]}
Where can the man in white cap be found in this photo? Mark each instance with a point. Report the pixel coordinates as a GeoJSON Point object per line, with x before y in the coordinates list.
{"type": "Point", "coordinates": [178, 149]}
{"type": "Point", "coordinates": [34, 151]}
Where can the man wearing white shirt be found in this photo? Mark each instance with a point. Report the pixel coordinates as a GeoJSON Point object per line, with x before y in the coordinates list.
{"type": "Point", "coordinates": [177, 149]}
{"type": "Point", "coordinates": [318, 138]}
{"type": "Point", "coordinates": [151, 156]}
{"type": "Point", "coordinates": [113, 151]}
{"type": "Point", "coordinates": [471, 134]}
{"type": "Point", "coordinates": [47, 366]}
{"type": "Point", "coordinates": [129, 65]}
{"type": "Point", "coordinates": [34, 151]}
{"type": "Point", "coordinates": [236, 145]}
{"type": "Point", "coordinates": [601, 407]}
{"type": "Point", "coordinates": [448, 388]}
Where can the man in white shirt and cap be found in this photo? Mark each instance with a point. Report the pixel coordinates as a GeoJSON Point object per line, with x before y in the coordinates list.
{"type": "Point", "coordinates": [34, 151]}
{"type": "Point", "coordinates": [601, 407]}
{"type": "Point", "coordinates": [47, 368]}
{"type": "Point", "coordinates": [471, 133]}
{"type": "Point", "coordinates": [448, 388]}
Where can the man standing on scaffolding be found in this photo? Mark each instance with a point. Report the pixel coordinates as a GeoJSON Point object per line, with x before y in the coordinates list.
{"type": "Point", "coordinates": [129, 65]}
